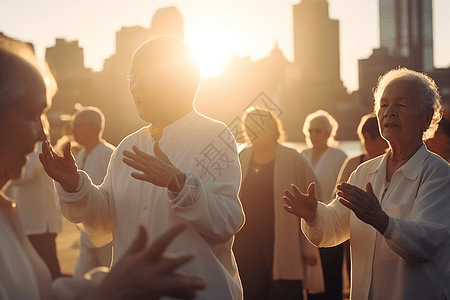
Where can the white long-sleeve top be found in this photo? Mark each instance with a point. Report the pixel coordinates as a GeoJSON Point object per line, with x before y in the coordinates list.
{"type": "Point", "coordinates": [327, 169]}
{"type": "Point", "coordinates": [35, 195]}
{"type": "Point", "coordinates": [95, 164]}
{"type": "Point", "coordinates": [409, 260]}
{"type": "Point", "coordinates": [205, 150]}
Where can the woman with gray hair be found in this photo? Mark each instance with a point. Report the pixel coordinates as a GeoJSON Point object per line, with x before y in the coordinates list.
{"type": "Point", "coordinates": [320, 129]}
{"type": "Point", "coordinates": [394, 207]}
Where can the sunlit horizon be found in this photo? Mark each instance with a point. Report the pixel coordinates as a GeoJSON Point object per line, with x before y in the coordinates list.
{"type": "Point", "coordinates": [242, 28]}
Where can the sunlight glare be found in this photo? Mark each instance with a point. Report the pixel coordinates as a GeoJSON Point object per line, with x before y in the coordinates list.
{"type": "Point", "coordinates": [212, 46]}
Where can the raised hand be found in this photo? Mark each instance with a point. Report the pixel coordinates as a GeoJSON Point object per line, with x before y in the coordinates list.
{"type": "Point", "coordinates": [61, 168]}
{"type": "Point", "coordinates": [299, 204]}
{"type": "Point", "coordinates": [146, 273]}
{"type": "Point", "coordinates": [157, 169]}
{"type": "Point", "coordinates": [364, 204]}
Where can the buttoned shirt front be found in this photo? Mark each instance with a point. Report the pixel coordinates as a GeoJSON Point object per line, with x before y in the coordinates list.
{"type": "Point", "coordinates": [409, 261]}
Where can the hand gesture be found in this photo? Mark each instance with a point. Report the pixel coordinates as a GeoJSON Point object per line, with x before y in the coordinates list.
{"type": "Point", "coordinates": [299, 204]}
{"type": "Point", "coordinates": [157, 169]}
{"type": "Point", "coordinates": [146, 273]}
{"type": "Point", "coordinates": [62, 169]}
{"type": "Point", "coordinates": [364, 204]}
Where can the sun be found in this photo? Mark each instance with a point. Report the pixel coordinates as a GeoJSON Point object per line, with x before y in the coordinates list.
{"type": "Point", "coordinates": [212, 46]}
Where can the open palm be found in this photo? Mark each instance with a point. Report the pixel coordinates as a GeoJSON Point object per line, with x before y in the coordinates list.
{"type": "Point", "coordinates": [299, 204]}
{"type": "Point", "coordinates": [61, 168]}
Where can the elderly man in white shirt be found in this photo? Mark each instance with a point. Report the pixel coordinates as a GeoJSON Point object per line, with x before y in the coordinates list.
{"type": "Point", "coordinates": [88, 125]}
{"type": "Point", "coordinates": [183, 168]}
{"type": "Point", "coordinates": [395, 208]}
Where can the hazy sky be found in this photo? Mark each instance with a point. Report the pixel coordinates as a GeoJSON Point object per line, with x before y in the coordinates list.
{"type": "Point", "coordinates": [214, 28]}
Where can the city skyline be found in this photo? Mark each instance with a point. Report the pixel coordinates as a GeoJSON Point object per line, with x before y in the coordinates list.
{"type": "Point", "coordinates": [214, 29]}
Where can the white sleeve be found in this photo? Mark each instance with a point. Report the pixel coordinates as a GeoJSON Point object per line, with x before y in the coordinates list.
{"type": "Point", "coordinates": [425, 237]}
{"type": "Point", "coordinates": [88, 207]}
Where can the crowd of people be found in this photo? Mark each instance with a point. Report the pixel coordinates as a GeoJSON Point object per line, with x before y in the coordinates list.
{"type": "Point", "coordinates": [176, 212]}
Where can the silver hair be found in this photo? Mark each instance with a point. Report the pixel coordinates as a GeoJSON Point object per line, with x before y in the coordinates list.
{"type": "Point", "coordinates": [91, 115]}
{"type": "Point", "coordinates": [427, 93]}
{"type": "Point", "coordinates": [330, 123]}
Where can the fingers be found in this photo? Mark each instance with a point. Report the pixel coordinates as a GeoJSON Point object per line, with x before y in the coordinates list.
{"type": "Point", "coordinates": [134, 164]}
{"type": "Point", "coordinates": [139, 242]}
{"type": "Point", "coordinates": [136, 158]}
{"type": "Point", "coordinates": [369, 189]}
{"type": "Point", "coordinates": [161, 243]}
{"type": "Point", "coordinates": [141, 153]}
{"type": "Point", "coordinates": [288, 208]}
{"type": "Point", "coordinates": [312, 189]}
{"type": "Point", "coordinates": [67, 154]}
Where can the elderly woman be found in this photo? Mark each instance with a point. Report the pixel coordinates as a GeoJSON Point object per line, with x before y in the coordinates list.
{"type": "Point", "coordinates": [274, 258]}
{"type": "Point", "coordinates": [320, 129]}
{"type": "Point", "coordinates": [395, 208]}
{"type": "Point", "coordinates": [24, 93]}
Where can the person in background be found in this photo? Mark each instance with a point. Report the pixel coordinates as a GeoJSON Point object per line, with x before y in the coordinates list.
{"type": "Point", "coordinates": [440, 143]}
{"type": "Point", "coordinates": [88, 125]}
{"type": "Point", "coordinates": [273, 256]}
{"type": "Point", "coordinates": [35, 195]}
{"type": "Point", "coordinates": [320, 129]}
{"type": "Point", "coordinates": [144, 271]}
{"type": "Point", "coordinates": [182, 168]}
{"type": "Point", "coordinates": [395, 207]}
{"type": "Point", "coordinates": [372, 144]}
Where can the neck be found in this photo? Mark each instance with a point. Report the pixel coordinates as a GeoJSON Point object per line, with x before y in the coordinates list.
{"type": "Point", "coordinates": [404, 152]}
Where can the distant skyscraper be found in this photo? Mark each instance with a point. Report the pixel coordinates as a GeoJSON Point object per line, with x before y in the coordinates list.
{"type": "Point", "coordinates": [406, 29]}
{"type": "Point", "coordinates": [316, 41]}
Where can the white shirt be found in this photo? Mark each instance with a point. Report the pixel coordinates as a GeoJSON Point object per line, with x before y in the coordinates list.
{"type": "Point", "coordinates": [205, 150]}
{"type": "Point", "coordinates": [327, 169]}
{"type": "Point", "coordinates": [35, 195]}
{"type": "Point", "coordinates": [409, 260]}
{"type": "Point", "coordinates": [96, 165]}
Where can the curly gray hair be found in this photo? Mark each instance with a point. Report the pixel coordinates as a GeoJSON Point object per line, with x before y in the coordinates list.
{"type": "Point", "coordinates": [427, 91]}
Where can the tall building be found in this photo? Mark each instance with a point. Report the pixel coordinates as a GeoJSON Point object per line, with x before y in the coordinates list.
{"type": "Point", "coordinates": [316, 41]}
{"type": "Point", "coordinates": [406, 29]}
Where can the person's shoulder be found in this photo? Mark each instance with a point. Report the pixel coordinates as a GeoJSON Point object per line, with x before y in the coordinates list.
{"type": "Point", "coordinates": [203, 120]}
{"type": "Point", "coordinates": [107, 147]}
{"type": "Point", "coordinates": [131, 139]}
{"type": "Point", "coordinates": [337, 151]}
{"type": "Point", "coordinates": [435, 161]}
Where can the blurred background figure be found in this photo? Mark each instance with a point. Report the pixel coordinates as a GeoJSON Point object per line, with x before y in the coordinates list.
{"type": "Point", "coordinates": [35, 195]}
{"type": "Point", "coordinates": [372, 145]}
{"type": "Point", "coordinates": [272, 254]}
{"type": "Point", "coordinates": [320, 129]}
{"type": "Point", "coordinates": [87, 127]}
{"type": "Point", "coordinates": [440, 143]}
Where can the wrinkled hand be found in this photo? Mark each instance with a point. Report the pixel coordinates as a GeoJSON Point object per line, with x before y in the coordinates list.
{"type": "Point", "coordinates": [157, 169]}
{"type": "Point", "coordinates": [61, 168]}
{"type": "Point", "coordinates": [146, 273]}
{"type": "Point", "coordinates": [299, 204]}
{"type": "Point", "coordinates": [364, 204]}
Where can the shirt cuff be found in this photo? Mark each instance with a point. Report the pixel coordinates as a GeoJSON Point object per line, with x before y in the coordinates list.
{"type": "Point", "coordinates": [189, 195]}
{"type": "Point", "coordinates": [389, 232]}
{"type": "Point", "coordinates": [71, 197]}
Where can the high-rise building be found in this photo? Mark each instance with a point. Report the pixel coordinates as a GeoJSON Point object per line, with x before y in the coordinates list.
{"type": "Point", "coordinates": [406, 29]}
{"type": "Point", "coordinates": [316, 41]}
